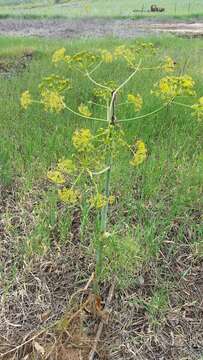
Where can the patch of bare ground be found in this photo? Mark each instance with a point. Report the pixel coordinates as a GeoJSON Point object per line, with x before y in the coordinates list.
{"type": "Point", "coordinates": [187, 29]}
{"type": "Point", "coordinates": [45, 315]}
{"type": "Point", "coordinates": [9, 66]}
{"type": "Point", "coordinates": [97, 27]}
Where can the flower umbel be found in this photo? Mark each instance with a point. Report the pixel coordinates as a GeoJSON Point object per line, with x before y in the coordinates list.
{"type": "Point", "coordinates": [66, 166]}
{"type": "Point", "coordinates": [56, 177]}
{"type": "Point", "coordinates": [53, 101]}
{"type": "Point", "coordinates": [59, 55]}
{"type": "Point", "coordinates": [136, 100]}
{"type": "Point", "coordinates": [169, 65]}
{"type": "Point", "coordinates": [98, 201]}
{"type": "Point", "coordinates": [84, 59]}
{"type": "Point", "coordinates": [25, 99]}
{"type": "Point", "coordinates": [54, 83]}
{"type": "Point", "coordinates": [126, 53]}
{"type": "Point", "coordinates": [172, 86]}
{"type": "Point", "coordinates": [140, 153]}
{"type": "Point", "coordinates": [69, 196]}
{"type": "Point", "coordinates": [84, 110]}
{"type": "Point", "coordinates": [82, 140]}
{"type": "Point", "coordinates": [106, 56]}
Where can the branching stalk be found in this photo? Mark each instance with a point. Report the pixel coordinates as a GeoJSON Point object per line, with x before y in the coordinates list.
{"type": "Point", "coordinates": [83, 116]}
{"type": "Point", "coordinates": [146, 115]}
{"type": "Point", "coordinates": [96, 83]}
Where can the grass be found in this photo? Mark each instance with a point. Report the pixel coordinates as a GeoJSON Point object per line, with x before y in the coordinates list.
{"type": "Point", "coordinates": [113, 8]}
{"type": "Point", "coordinates": [160, 204]}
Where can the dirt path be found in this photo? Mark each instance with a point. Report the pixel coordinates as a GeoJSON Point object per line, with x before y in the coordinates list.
{"type": "Point", "coordinates": [96, 28]}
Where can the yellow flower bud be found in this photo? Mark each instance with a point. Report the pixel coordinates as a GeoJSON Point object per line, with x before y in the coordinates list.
{"type": "Point", "coordinates": [106, 56]}
{"type": "Point", "coordinates": [69, 196]}
{"type": "Point", "coordinates": [169, 65]}
{"type": "Point", "coordinates": [66, 166]}
{"type": "Point", "coordinates": [84, 110]}
{"type": "Point", "coordinates": [136, 100]}
{"type": "Point", "coordinates": [82, 140]}
{"type": "Point", "coordinates": [140, 155]}
{"type": "Point", "coordinates": [56, 177]}
{"type": "Point", "coordinates": [59, 55]}
{"type": "Point", "coordinates": [25, 99]}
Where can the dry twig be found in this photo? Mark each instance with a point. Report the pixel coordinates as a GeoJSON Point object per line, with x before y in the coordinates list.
{"type": "Point", "coordinates": [102, 323]}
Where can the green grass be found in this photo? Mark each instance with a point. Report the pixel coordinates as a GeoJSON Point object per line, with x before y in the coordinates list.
{"type": "Point", "coordinates": [96, 8]}
{"type": "Point", "coordinates": [168, 185]}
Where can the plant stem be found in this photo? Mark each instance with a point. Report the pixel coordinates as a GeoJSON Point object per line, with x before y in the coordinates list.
{"type": "Point", "coordinates": [104, 211]}
{"type": "Point", "coordinates": [83, 116]}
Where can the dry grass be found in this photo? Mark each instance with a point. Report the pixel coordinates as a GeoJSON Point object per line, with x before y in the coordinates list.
{"type": "Point", "coordinates": [158, 317]}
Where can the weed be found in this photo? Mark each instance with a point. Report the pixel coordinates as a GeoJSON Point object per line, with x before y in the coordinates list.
{"type": "Point", "coordinates": [85, 178]}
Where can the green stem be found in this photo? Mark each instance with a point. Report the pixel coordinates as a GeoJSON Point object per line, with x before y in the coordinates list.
{"type": "Point", "coordinates": [180, 104]}
{"type": "Point", "coordinates": [96, 83]}
{"type": "Point", "coordinates": [146, 115]}
{"type": "Point", "coordinates": [104, 211]}
{"type": "Point", "coordinates": [83, 116]}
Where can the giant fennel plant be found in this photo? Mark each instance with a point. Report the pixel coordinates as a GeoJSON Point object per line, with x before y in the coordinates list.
{"type": "Point", "coordinates": [84, 179]}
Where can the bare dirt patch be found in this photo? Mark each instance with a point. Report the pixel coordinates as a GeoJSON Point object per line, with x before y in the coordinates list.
{"type": "Point", "coordinates": [125, 28]}
{"type": "Point", "coordinates": [10, 66]}
{"type": "Point", "coordinates": [194, 29]}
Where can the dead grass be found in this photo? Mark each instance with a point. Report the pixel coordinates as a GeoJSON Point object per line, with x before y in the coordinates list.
{"type": "Point", "coordinates": [158, 317]}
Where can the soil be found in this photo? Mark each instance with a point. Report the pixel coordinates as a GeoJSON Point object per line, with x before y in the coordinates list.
{"type": "Point", "coordinates": [125, 28]}
{"type": "Point", "coordinates": [9, 67]}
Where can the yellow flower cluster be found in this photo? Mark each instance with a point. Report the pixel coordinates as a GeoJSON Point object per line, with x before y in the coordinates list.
{"type": "Point", "coordinates": [125, 53]}
{"type": "Point", "coordinates": [66, 166]}
{"type": "Point", "coordinates": [169, 65]}
{"type": "Point", "coordinates": [107, 56]}
{"type": "Point", "coordinates": [143, 46]}
{"type": "Point", "coordinates": [52, 101]}
{"type": "Point", "coordinates": [111, 199]}
{"type": "Point", "coordinates": [82, 140]}
{"type": "Point", "coordinates": [136, 100]}
{"type": "Point", "coordinates": [198, 108]}
{"type": "Point", "coordinates": [56, 177]}
{"type": "Point", "coordinates": [84, 59]}
{"type": "Point", "coordinates": [54, 83]}
{"type": "Point", "coordinates": [99, 200]}
{"type": "Point", "coordinates": [140, 155]}
{"type": "Point", "coordinates": [59, 55]}
{"type": "Point", "coordinates": [172, 86]}
{"type": "Point", "coordinates": [84, 110]}
{"type": "Point", "coordinates": [131, 53]}
{"type": "Point", "coordinates": [69, 195]}
{"type": "Point", "coordinates": [59, 177]}
{"type": "Point", "coordinates": [25, 99]}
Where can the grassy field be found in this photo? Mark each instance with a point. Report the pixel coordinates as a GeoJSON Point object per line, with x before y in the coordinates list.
{"type": "Point", "coordinates": [96, 8]}
{"type": "Point", "coordinates": [161, 204]}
